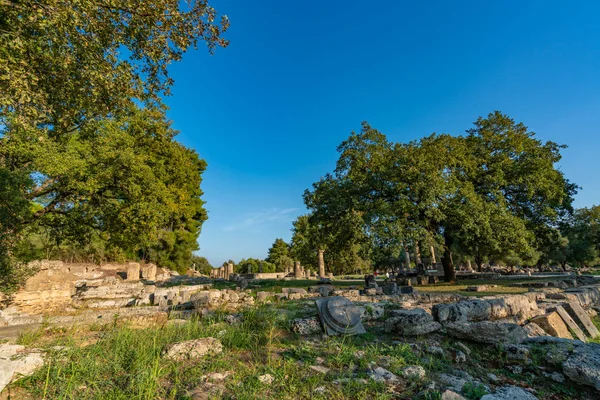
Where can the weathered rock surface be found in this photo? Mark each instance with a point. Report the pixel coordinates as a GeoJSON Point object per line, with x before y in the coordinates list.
{"type": "Point", "coordinates": [411, 322]}
{"type": "Point", "coordinates": [15, 362]}
{"type": "Point", "coordinates": [553, 324]}
{"type": "Point", "coordinates": [583, 365]}
{"type": "Point", "coordinates": [487, 332]}
{"type": "Point", "coordinates": [306, 326]}
{"type": "Point", "coordinates": [191, 349]}
{"type": "Point", "coordinates": [475, 310]}
{"type": "Point", "coordinates": [509, 393]}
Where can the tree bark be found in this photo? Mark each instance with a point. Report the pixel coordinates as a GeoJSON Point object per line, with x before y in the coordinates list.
{"type": "Point", "coordinates": [479, 262]}
{"type": "Point", "coordinates": [449, 272]}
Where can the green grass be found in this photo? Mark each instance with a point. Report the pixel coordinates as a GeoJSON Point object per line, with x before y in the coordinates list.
{"type": "Point", "coordinates": [126, 363]}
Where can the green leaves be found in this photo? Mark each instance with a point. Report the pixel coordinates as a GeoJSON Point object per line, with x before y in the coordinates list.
{"type": "Point", "coordinates": [490, 194]}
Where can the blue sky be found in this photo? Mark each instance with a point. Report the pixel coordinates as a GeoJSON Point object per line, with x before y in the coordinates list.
{"type": "Point", "coordinates": [268, 111]}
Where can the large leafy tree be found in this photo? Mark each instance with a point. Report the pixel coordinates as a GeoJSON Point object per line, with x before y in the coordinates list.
{"type": "Point", "coordinates": [79, 81]}
{"type": "Point", "coordinates": [127, 183]}
{"type": "Point", "coordinates": [65, 62]}
{"type": "Point", "coordinates": [493, 194]}
{"type": "Point", "coordinates": [582, 232]}
{"type": "Point", "coordinates": [279, 254]}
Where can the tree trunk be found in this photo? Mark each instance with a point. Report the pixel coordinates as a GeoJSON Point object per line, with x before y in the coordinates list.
{"type": "Point", "coordinates": [479, 262]}
{"type": "Point", "coordinates": [449, 273]}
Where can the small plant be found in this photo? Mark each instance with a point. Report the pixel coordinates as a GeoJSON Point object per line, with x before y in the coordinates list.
{"type": "Point", "coordinates": [474, 391]}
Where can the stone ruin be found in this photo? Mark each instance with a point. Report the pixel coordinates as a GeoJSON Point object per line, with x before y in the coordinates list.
{"type": "Point", "coordinates": [549, 312]}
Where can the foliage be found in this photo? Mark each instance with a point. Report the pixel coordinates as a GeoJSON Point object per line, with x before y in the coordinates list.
{"type": "Point", "coordinates": [491, 195]}
{"type": "Point", "coordinates": [201, 264]}
{"type": "Point", "coordinates": [67, 63]}
{"type": "Point", "coordinates": [279, 254]}
{"type": "Point", "coordinates": [87, 156]}
{"type": "Point", "coordinates": [582, 234]}
{"type": "Point", "coordinates": [253, 266]}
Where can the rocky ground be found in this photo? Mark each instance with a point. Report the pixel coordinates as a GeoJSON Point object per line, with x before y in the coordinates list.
{"type": "Point", "coordinates": [268, 341]}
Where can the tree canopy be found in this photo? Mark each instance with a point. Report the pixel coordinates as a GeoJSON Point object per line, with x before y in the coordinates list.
{"type": "Point", "coordinates": [88, 161]}
{"type": "Point", "coordinates": [493, 193]}
{"type": "Point", "coordinates": [279, 255]}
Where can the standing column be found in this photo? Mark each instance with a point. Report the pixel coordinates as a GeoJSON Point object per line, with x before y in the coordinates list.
{"type": "Point", "coordinates": [297, 270]}
{"type": "Point", "coordinates": [469, 268]}
{"type": "Point", "coordinates": [433, 261]}
{"type": "Point", "coordinates": [406, 258]}
{"type": "Point", "coordinates": [321, 264]}
{"type": "Point", "coordinates": [417, 253]}
{"type": "Point", "coordinates": [230, 270]}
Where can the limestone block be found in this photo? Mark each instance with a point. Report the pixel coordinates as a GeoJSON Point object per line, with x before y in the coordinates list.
{"type": "Point", "coordinates": [133, 271]}
{"type": "Point", "coordinates": [553, 324]}
{"type": "Point", "coordinates": [192, 349]}
{"type": "Point", "coordinates": [571, 324]}
{"type": "Point", "coordinates": [486, 332]}
{"type": "Point", "coordinates": [149, 272]}
{"type": "Point", "coordinates": [474, 310]}
{"type": "Point", "coordinates": [411, 322]}
{"type": "Point", "coordinates": [580, 316]}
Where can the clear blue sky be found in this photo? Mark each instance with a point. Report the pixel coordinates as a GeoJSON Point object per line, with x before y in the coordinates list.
{"type": "Point", "coordinates": [268, 111]}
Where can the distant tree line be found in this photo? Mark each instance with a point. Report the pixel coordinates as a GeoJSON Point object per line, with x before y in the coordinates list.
{"type": "Point", "coordinates": [492, 195]}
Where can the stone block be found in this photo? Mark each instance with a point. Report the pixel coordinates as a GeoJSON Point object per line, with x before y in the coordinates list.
{"type": "Point", "coordinates": [407, 290]}
{"type": "Point", "coordinates": [149, 272]}
{"type": "Point", "coordinates": [553, 324]}
{"type": "Point", "coordinates": [579, 315]}
{"type": "Point", "coordinates": [571, 324]}
{"type": "Point", "coordinates": [133, 271]}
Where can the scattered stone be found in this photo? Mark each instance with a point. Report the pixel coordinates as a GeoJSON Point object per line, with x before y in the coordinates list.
{"type": "Point", "coordinates": [191, 349]}
{"type": "Point", "coordinates": [534, 330]}
{"type": "Point", "coordinates": [216, 376]}
{"type": "Point", "coordinates": [266, 379]}
{"type": "Point", "coordinates": [516, 352]}
{"type": "Point", "coordinates": [380, 374]}
{"type": "Point", "coordinates": [450, 395]}
{"type": "Point", "coordinates": [487, 332]}
{"type": "Point", "coordinates": [306, 326]}
{"type": "Point", "coordinates": [233, 319]}
{"type": "Point", "coordinates": [571, 324]}
{"type": "Point", "coordinates": [555, 376]}
{"type": "Point", "coordinates": [515, 369]}
{"type": "Point", "coordinates": [294, 291]}
{"type": "Point", "coordinates": [414, 373]}
{"type": "Point", "coordinates": [16, 363]}
{"type": "Point", "coordinates": [509, 393]}
{"type": "Point", "coordinates": [459, 356]}
{"type": "Point", "coordinates": [435, 350]}
{"type": "Point", "coordinates": [371, 311]}
{"type": "Point", "coordinates": [553, 324]}
{"type": "Point", "coordinates": [319, 368]}
{"type": "Point", "coordinates": [477, 288]}
{"type": "Point", "coordinates": [340, 316]}
{"type": "Point", "coordinates": [263, 296]}
{"type": "Point", "coordinates": [463, 347]}
{"type": "Point", "coordinates": [453, 382]}
{"type": "Point", "coordinates": [412, 322]}
{"type": "Point", "coordinates": [320, 390]}
{"type": "Point", "coordinates": [493, 377]}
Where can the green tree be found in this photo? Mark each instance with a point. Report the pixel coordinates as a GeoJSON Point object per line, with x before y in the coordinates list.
{"type": "Point", "coordinates": [491, 194]}
{"type": "Point", "coordinates": [74, 77]}
{"type": "Point", "coordinates": [200, 264]}
{"type": "Point", "coordinates": [582, 230]}
{"type": "Point", "coordinates": [66, 63]}
{"type": "Point", "coordinates": [279, 254]}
